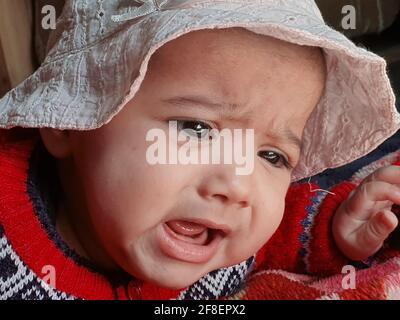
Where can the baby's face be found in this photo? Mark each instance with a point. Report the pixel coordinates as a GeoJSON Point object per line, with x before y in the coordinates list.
{"type": "Point", "coordinates": [139, 216]}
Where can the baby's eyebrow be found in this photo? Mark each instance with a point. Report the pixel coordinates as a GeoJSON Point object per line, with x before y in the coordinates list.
{"type": "Point", "coordinates": [288, 136]}
{"type": "Point", "coordinates": [228, 111]}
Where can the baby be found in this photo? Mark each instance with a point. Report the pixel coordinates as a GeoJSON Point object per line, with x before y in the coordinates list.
{"type": "Point", "coordinates": [119, 210]}
{"type": "Point", "coordinates": [170, 225]}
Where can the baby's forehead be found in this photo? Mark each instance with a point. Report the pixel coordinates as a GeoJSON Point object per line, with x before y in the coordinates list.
{"type": "Point", "coordinates": [234, 60]}
{"type": "Point", "coordinates": [224, 45]}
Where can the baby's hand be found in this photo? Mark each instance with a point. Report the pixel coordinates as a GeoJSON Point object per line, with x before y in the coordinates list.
{"type": "Point", "coordinates": [363, 222]}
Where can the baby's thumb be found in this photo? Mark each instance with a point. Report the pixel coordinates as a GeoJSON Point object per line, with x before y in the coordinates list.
{"type": "Point", "coordinates": [377, 229]}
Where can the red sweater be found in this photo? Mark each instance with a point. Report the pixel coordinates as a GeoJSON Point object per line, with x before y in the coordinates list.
{"type": "Point", "coordinates": [31, 249]}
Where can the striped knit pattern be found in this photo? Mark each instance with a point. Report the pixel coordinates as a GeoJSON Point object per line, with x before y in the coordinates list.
{"type": "Point", "coordinates": [18, 282]}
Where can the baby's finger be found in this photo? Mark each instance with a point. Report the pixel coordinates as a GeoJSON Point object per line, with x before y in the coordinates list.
{"type": "Point", "coordinates": [359, 205]}
{"type": "Point", "coordinates": [390, 174]}
{"type": "Point", "coordinates": [383, 223]}
{"type": "Point", "coordinates": [372, 234]}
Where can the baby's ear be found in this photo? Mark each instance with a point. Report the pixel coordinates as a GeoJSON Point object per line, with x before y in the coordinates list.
{"type": "Point", "coordinates": [57, 142]}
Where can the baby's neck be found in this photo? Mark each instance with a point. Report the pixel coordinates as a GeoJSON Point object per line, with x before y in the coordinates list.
{"type": "Point", "coordinates": [66, 231]}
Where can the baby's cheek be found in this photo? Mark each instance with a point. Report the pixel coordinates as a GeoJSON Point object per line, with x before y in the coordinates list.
{"type": "Point", "coordinates": [265, 220]}
{"type": "Point", "coordinates": [269, 217]}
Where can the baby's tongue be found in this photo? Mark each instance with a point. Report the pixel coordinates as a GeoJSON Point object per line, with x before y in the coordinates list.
{"type": "Point", "coordinates": [186, 228]}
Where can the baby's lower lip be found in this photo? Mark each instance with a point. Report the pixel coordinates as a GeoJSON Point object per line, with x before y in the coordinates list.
{"type": "Point", "coordinates": [175, 246]}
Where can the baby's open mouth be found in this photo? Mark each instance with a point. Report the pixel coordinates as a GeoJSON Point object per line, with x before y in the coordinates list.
{"type": "Point", "coordinates": [190, 231]}
{"type": "Point", "coordinates": [189, 241]}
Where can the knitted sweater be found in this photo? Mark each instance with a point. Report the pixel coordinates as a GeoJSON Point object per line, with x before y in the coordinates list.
{"type": "Point", "coordinates": [31, 249]}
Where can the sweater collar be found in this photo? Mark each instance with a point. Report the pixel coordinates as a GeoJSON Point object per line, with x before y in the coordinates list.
{"type": "Point", "coordinates": [29, 192]}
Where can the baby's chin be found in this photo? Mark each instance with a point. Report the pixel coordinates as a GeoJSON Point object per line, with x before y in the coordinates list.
{"type": "Point", "coordinates": [172, 275]}
{"type": "Point", "coordinates": [163, 271]}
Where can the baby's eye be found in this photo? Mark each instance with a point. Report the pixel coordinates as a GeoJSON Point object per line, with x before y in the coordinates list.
{"type": "Point", "coordinates": [197, 129]}
{"type": "Point", "coordinates": [275, 158]}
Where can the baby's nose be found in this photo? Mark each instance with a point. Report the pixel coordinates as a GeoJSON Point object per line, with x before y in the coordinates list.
{"type": "Point", "coordinates": [226, 187]}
